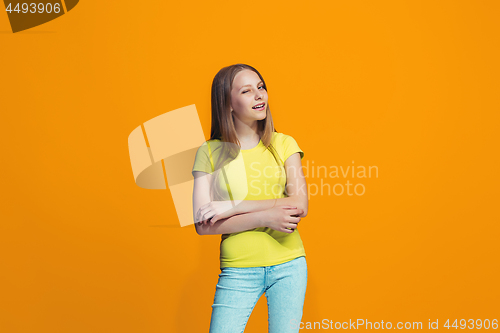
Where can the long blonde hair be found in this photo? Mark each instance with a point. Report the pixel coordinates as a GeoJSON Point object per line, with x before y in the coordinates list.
{"type": "Point", "coordinates": [223, 129]}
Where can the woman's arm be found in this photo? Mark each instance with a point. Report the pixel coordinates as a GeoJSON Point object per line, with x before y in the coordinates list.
{"type": "Point", "coordinates": [250, 206]}
{"type": "Point", "coordinates": [232, 224]}
{"type": "Point", "coordinates": [236, 223]}
{"type": "Point", "coordinates": [296, 189]}
{"type": "Point", "coordinates": [280, 218]}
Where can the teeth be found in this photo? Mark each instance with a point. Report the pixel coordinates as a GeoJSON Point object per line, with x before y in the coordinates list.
{"type": "Point", "coordinates": [258, 106]}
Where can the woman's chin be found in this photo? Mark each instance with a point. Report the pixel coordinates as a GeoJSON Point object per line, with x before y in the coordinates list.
{"type": "Point", "coordinates": [261, 114]}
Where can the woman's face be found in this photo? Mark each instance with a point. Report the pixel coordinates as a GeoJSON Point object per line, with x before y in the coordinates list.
{"type": "Point", "coordinates": [247, 92]}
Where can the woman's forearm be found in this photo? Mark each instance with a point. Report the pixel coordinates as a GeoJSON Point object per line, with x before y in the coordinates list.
{"type": "Point", "coordinates": [235, 223]}
{"type": "Point", "coordinates": [251, 206]}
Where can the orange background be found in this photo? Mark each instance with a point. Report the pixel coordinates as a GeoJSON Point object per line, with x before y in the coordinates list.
{"type": "Point", "coordinates": [410, 87]}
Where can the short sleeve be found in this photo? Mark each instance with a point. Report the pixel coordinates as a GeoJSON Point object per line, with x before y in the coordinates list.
{"type": "Point", "coordinates": [202, 160]}
{"type": "Point", "coordinates": [290, 147]}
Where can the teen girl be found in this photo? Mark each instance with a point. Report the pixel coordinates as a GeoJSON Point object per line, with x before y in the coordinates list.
{"type": "Point", "coordinates": [249, 187]}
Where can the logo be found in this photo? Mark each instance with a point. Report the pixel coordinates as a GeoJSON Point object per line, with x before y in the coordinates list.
{"type": "Point", "coordinates": [162, 152]}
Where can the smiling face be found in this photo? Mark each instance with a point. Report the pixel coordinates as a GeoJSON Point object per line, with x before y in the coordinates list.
{"type": "Point", "coordinates": [247, 92]}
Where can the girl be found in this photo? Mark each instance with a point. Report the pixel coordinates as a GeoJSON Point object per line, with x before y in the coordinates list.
{"type": "Point", "coordinates": [261, 250]}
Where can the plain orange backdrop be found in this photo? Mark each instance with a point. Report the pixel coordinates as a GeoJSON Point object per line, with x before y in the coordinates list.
{"type": "Point", "coordinates": [409, 87]}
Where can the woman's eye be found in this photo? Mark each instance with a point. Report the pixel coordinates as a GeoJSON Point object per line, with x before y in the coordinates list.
{"type": "Point", "coordinates": [248, 90]}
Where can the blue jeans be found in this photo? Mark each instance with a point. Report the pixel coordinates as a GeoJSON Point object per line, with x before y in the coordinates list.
{"type": "Point", "coordinates": [239, 289]}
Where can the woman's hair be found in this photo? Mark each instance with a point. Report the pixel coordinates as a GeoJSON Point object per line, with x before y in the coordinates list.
{"type": "Point", "coordinates": [223, 123]}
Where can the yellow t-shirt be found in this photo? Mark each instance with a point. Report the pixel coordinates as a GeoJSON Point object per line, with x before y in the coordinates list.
{"type": "Point", "coordinates": [254, 175]}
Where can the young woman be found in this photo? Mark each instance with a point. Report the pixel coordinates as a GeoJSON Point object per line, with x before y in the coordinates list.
{"type": "Point", "coordinates": [249, 187]}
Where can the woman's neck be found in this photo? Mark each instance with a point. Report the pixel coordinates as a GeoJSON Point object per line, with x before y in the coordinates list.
{"type": "Point", "coordinates": [247, 133]}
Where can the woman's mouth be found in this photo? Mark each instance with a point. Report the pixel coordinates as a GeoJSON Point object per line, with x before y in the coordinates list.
{"type": "Point", "coordinates": [259, 107]}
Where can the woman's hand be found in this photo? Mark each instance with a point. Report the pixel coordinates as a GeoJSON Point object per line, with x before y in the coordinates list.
{"type": "Point", "coordinates": [282, 218]}
{"type": "Point", "coordinates": [216, 210]}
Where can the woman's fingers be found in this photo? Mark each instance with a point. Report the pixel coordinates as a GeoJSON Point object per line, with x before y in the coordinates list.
{"type": "Point", "coordinates": [293, 219]}
{"type": "Point", "coordinates": [289, 227]}
{"type": "Point", "coordinates": [294, 212]}
{"type": "Point", "coordinates": [213, 220]}
{"type": "Point", "coordinates": [206, 215]}
{"type": "Point", "coordinates": [202, 213]}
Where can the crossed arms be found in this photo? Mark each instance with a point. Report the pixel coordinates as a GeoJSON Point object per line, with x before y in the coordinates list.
{"type": "Point", "coordinates": [220, 217]}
